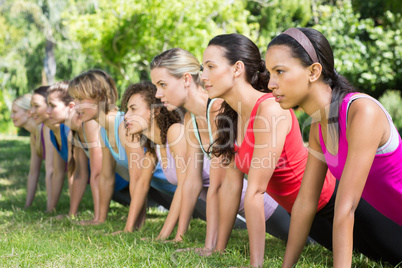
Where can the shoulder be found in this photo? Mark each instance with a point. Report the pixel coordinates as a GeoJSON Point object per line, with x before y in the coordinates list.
{"type": "Point", "coordinates": [175, 131]}
{"type": "Point", "coordinates": [364, 106]}
{"type": "Point", "coordinates": [272, 111]}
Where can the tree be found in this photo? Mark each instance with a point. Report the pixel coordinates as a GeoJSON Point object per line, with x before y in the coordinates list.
{"type": "Point", "coordinates": [123, 38]}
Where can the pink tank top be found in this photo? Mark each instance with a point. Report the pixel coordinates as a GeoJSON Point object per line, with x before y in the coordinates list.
{"type": "Point", "coordinates": [285, 182]}
{"type": "Point", "coordinates": [170, 170]}
{"type": "Point", "coordinates": [383, 189]}
{"type": "Point", "coordinates": [43, 142]}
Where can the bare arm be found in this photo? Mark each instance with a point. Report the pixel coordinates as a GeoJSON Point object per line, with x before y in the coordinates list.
{"type": "Point", "coordinates": [57, 179]}
{"type": "Point", "coordinates": [106, 183]}
{"type": "Point", "coordinates": [95, 159]}
{"type": "Point", "coordinates": [192, 183]}
{"type": "Point", "coordinates": [79, 179]}
{"type": "Point", "coordinates": [270, 133]}
{"type": "Point", "coordinates": [305, 206]}
{"type": "Point", "coordinates": [229, 201]}
{"type": "Point", "coordinates": [140, 182]}
{"type": "Point", "coordinates": [33, 175]}
{"type": "Point", "coordinates": [49, 168]}
{"type": "Point", "coordinates": [364, 117]}
{"type": "Point", "coordinates": [177, 147]}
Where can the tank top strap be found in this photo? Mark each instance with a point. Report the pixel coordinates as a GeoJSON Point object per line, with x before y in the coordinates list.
{"type": "Point", "coordinates": [197, 131]}
{"type": "Point", "coordinates": [256, 105]}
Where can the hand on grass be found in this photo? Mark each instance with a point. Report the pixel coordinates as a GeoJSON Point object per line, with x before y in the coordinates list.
{"type": "Point", "coordinates": [91, 222]}
{"type": "Point", "coordinates": [200, 251]}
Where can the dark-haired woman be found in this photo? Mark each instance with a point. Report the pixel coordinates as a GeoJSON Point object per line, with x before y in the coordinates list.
{"type": "Point", "coordinates": [59, 105]}
{"type": "Point", "coordinates": [176, 74]}
{"type": "Point", "coordinates": [258, 137]}
{"type": "Point", "coordinates": [162, 134]}
{"type": "Point", "coordinates": [353, 136]}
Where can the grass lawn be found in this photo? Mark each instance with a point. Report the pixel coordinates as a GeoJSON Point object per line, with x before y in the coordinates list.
{"type": "Point", "coordinates": [33, 238]}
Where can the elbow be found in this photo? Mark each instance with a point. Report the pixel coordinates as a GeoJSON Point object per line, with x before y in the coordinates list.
{"type": "Point", "coordinates": [252, 196]}
{"type": "Point", "coordinates": [344, 213]}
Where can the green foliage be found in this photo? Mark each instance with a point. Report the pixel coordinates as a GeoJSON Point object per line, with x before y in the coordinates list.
{"type": "Point", "coordinates": [392, 101]}
{"type": "Point", "coordinates": [5, 105]}
{"type": "Point", "coordinates": [275, 16]}
{"type": "Point", "coordinates": [304, 123]}
{"type": "Point", "coordinates": [123, 38]}
{"type": "Point", "coordinates": [369, 56]}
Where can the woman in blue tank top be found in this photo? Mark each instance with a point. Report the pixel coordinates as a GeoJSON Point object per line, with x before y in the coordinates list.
{"type": "Point", "coordinates": [96, 94]}
{"type": "Point", "coordinates": [60, 103]}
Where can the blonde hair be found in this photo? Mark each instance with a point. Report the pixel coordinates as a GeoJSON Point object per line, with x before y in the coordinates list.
{"type": "Point", "coordinates": [96, 85]}
{"type": "Point", "coordinates": [24, 101]}
{"type": "Point", "coordinates": [178, 62]}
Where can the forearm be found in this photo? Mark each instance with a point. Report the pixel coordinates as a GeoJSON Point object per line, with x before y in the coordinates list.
{"type": "Point", "coordinates": [173, 215]}
{"type": "Point", "coordinates": [138, 199]}
{"type": "Point", "coordinates": [191, 192]}
{"type": "Point", "coordinates": [343, 239]}
{"type": "Point", "coordinates": [32, 183]}
{"type": "Point", "coordinates": [94, 183]}
{"type": "Point", "coordinates": [57, 186]}
{"type": "Point", "coordinates": [77, 191]}
{"type": "Point", "coordinates": [254, 209]}
{"type": "Point", "coordinates": [106, 188]}
{"type": "Point", "coordinates": [300, 224]}
{"type": "Point", "coordinates": [229, 200]}
{"type": "Point", "coordinates": [212, 217]}
{"type": "Point", "coordinates": [48, 182]}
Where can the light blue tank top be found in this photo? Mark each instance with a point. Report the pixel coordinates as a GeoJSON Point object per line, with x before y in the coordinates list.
{"type": "Point", "coordinates": [158, 181]}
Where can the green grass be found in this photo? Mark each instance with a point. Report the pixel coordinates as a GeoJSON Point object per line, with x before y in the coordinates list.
{"type": "Point", "coordinates": [33, 238]}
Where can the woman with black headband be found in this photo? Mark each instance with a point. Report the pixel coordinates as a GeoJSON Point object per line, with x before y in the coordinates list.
{"type": "Point", "coordinates": [353, 136]}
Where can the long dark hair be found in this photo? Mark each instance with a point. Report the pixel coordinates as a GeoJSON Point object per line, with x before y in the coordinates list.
{"type": "Point", "coordinates": [340, 85]}
{"type": "Point", "coordinates": [164, 118]}
{"type": "Point", "coordinates": [236, 48]}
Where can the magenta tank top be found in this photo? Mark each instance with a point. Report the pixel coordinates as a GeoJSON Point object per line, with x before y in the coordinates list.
{"type": "Point", "coordinates": [42, 141]}
{"type": "Point", "coordinates": [383, 189]}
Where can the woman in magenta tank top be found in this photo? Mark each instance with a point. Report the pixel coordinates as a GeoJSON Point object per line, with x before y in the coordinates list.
{"type": "Point", "coordinates": [354, 137]}
{"type": "Point", "coordinates": [258, 137]}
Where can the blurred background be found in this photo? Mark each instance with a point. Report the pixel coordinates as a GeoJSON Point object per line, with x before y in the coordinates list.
{"type": "Point", "coordinates": [44, 41]}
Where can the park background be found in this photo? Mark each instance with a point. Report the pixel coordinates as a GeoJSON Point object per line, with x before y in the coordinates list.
{"type": "Point", "coordinates": [44, 41]}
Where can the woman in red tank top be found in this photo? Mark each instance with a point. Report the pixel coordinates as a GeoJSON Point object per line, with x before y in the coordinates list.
{"type": "Point", "coordinates": [257, 136]}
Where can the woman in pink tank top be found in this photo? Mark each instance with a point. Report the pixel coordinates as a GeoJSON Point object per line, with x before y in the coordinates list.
{"type": "Point", "coordinates": [354, 137]}
{"type": "Point", "coordinates": [257, 137]}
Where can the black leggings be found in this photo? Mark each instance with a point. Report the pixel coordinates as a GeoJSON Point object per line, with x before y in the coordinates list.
{"type": "Point", "coordinates": [374, 235]}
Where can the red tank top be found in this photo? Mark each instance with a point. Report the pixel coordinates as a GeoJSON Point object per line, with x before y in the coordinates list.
{"type": "Point", "coordinates": [285, 182]}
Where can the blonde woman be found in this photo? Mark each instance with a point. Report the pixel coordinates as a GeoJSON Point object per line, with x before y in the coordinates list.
{"type": "Point", "coordinates": [39, 143]}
